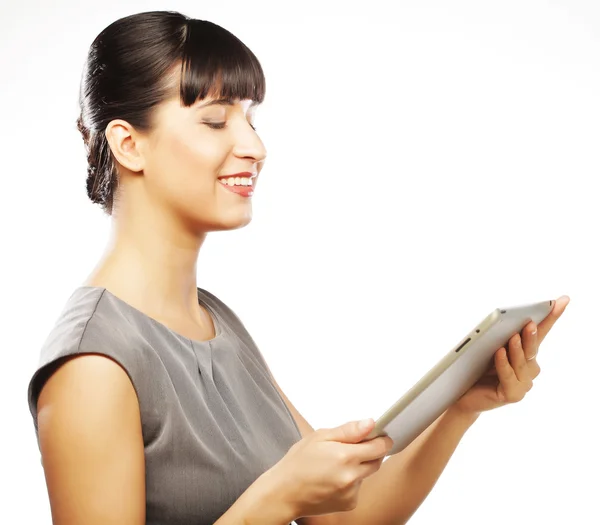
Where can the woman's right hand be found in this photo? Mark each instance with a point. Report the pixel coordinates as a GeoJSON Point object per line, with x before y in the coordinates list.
{"type": "Point", "coordinates": [322, 473]}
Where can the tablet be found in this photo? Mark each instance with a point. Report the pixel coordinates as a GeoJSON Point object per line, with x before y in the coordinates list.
{"type": "Point", "coordinates": [455, 373]}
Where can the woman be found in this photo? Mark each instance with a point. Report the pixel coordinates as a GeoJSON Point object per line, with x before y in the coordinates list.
{"type": "Point", "coordinates": [151, 402]}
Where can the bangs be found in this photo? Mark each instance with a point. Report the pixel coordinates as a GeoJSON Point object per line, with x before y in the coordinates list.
{"type": "Point", "coordinates": [216, 63]}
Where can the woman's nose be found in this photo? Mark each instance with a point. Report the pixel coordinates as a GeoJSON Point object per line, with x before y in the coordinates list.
{"type": "Point", "coordinates": [249, 145]}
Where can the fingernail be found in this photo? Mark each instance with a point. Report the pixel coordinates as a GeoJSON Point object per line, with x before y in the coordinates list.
{"type": "Point", "coordinates": [534, 332]}
{"type": "Point", "coordinates": [364, 424]}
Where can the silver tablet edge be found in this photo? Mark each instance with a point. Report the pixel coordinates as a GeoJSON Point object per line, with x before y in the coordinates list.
{"type": "Point", "coordinates": [441, 366]}
{"type": "Point", "coordinates": [433, 374]}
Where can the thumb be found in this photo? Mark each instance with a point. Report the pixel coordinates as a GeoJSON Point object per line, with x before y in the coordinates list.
{"type": "Point", "coordinates": [351, 432]}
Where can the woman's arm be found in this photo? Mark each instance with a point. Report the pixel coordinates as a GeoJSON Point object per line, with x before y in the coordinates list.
{"type": "Point", "coordinates": [393, 494]}
{"type": "Point", "coordinates": [397, 489]}
{"type": "Point", "coordinates": [405, 480]}
{"type": "Point", "coordinates": [92, 449]}
{"type": "Point", "coordinates": [91, 443]}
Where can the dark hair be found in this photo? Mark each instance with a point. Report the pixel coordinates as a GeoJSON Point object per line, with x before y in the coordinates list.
{"type": "Point", "coordinates": [131, 68]}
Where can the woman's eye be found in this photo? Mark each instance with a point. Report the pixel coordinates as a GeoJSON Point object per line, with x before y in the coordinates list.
{"type": "Point", "coordinates": [215, 125]}
{"type": "Point", "coordinates": [221, 125]}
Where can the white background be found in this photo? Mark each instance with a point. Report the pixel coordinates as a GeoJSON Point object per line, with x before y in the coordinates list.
{"type": "Point", "coordinates": [428, 162]}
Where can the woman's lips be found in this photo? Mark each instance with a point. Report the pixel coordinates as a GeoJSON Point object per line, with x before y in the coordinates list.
{"type": "Point", "coordinates": [244, 191]}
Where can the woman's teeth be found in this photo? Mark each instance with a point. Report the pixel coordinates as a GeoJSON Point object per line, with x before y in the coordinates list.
{"type": "Point", "coordinates": [236, 181]}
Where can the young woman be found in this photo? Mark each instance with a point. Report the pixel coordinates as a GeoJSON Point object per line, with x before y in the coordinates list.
{"type": "Point", "coordinates": [151, 402]}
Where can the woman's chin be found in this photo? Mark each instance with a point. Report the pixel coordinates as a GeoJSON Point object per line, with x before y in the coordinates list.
{"type": "Point", "coordinates": [234, 221]}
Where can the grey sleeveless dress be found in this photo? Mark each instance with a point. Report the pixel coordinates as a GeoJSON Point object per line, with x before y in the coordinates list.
{"type": "Point", "coordinates": [212, 419]}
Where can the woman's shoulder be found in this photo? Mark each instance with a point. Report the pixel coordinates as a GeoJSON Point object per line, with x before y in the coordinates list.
{"type": "Point", "coordinates": [89, 323]}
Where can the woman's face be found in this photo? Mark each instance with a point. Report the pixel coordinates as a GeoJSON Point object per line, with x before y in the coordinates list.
{"type": "Point", "coordinates": [188, 153]}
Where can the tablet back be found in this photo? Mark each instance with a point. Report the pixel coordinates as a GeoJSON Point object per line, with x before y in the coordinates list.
{"type": "Point", "coordinates": [456, 372]}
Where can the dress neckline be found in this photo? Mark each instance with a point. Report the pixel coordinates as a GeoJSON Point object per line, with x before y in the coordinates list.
{"type": "Point", "coordinates": [216, 318]}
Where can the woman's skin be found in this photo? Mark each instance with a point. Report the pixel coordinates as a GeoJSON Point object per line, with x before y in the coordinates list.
{"type": "Point", "coordinates": [397, 489]}
{"type": "Point", "coordinates": [169, 199]}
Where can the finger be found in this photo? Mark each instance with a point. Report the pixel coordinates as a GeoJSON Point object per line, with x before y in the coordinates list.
{"type": "Point", "coordinates": [534, 368]}
{"type": "Point", "coordinates": [351, 432]}
{"type": "Point", "coordinates": [369, 468]}
{"type": "Point", "coordinates": [505, 372]}
{"type": "Point", "coordinates": [516, 355]}
{"type": "Point", "coordinates": [508, 389]}
{"type": "Point", "coordinates": [372, 449]}
{"type": "Point", "coordinates": [529, 341]}
{"type": "Point", "coordinates": [371, 465]}
{"type": "Point", "coordinates": [557, 310]}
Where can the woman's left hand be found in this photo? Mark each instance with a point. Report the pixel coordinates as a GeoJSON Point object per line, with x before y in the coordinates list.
{"type": "Point", "coordinates": [514, 371]}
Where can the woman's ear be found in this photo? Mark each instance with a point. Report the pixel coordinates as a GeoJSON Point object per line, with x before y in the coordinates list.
{"type": "Point", "coordinates": [125, 144]}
